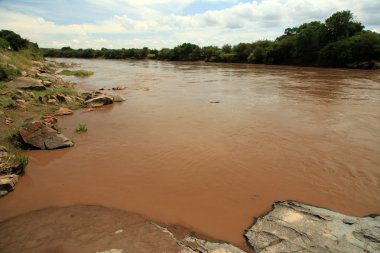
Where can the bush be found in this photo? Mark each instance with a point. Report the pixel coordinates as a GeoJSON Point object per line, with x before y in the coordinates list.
{"type": "Point", "coordinates": [15, 41]}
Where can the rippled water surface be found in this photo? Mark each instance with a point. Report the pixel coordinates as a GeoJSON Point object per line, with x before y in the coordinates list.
{"type": "Point", "coordinates": [170, 154]}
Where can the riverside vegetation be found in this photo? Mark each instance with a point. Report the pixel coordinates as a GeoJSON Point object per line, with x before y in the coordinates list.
{"type": "Point", "coordinates": [32, 96]}
{"type": "Point", "coordinates": [340, 41]}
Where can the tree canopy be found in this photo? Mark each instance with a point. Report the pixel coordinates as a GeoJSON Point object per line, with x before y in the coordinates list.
{"type": "Point", "coordinates": [340, 41]}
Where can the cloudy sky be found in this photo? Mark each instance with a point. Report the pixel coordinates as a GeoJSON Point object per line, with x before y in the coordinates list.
{"type": "Point", "coordinates": [167, 23]}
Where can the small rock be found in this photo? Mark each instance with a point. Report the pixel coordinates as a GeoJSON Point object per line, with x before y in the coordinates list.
{"type": "Point", "coordinates": [51, 120]}
{"type": "Point", "coordinates": [3, 152]}
{"type": "Point", "coordinates": [7, 183]}
{"type": "Point", "coordinates": [64, 99]}
{"type": "Point", "coordinates": [23, 73]}
{"type": "Point", "coordinates": [21, 103]}
{"type": "Point", "coordinates": [47, 83]}
{"type": "Point", "coordinates": [39, 135]}
{"type": "Point", "coordinates": [119, 88]}
{"type": "Point", "coordinates": [119, 231]}
{"type": "Point", "coordinates": [52, 101]}
{"type": "Point", "coordinates": [8, 121]}
{"type": "Point", "coordinates": [88, 110]}
{"type": "Point", "coordinates": [63, 111]}
{"type": "Point", "coordinates": [117, 98]}
{"type": "Point", "coordinates": [214, 102]}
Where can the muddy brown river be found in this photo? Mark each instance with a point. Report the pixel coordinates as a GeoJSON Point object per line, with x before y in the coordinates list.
{"type": "Point", "coordinates": [211, 146]}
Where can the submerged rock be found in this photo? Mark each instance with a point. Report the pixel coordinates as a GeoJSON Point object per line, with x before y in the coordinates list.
{"type": "Point", "coordinates": [39, 135]}
{"type": "Point", "coordinates": [296, 227]}
{"type": "Point", "coordinates": [119, 88]}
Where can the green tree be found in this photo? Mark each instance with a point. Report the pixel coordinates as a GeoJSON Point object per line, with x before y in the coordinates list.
{"type": "Point", "coordinates": [15, 41]}
{"type": "Point", "coordinates": [341, 25]}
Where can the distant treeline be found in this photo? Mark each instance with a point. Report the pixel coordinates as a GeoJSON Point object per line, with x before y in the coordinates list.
{"type": "Point", "coordinates": [338, 42]}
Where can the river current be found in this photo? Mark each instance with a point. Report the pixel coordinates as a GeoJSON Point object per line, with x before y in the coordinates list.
{"type": "Point", "coordinates": [211, 146]}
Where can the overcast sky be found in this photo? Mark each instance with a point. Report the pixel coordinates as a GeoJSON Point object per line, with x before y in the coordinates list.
{"type": "Point", "coordinates": [167, 23]}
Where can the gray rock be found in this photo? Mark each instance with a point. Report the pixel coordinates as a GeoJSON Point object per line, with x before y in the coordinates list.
{"type": "Point", "coordinates": [27, 83]}
{"type": "Point", "coordinates": [192, 244]}
{"type": "Point", "coordinates": [100, 99]}
{"type": "Point", "coordinates": [296, 227]}
{"type": "Point", "coordinates": [39, 135]}
{"type": "Point", "coordinates": [197, 245]}
{"type": "Point", "coordinates": [117, 98]}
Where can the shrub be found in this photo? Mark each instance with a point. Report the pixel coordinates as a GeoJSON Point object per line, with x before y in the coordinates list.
{"type": "Point", "coordinates": [81, 128]}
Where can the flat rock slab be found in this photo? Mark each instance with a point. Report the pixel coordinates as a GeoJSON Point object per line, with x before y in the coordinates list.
{"type": "Point", "coordinates": [296, 227]}
{"type": "Point", "coordinates": [27, 83]}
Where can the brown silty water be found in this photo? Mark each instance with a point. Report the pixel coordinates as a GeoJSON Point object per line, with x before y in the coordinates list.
{"type": "Point", "coordinates": [277, 133]}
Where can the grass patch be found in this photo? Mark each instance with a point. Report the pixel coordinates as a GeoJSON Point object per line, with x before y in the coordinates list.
{"type": "Point", "coordinates": [81, 128]}
{"type": "Point", "coordinates": [20, 161]}
{"type": "Point", "coordinates": [77, 73]}
{"type": "Point", "coordinates": [7, 103]}
{"type": "Point", "coordinates": [10, 71]}
{"type": "Point", "coordinates": [3, 86]}
{"type": "Point", "coordinates": [67, 91]}
{"type": "Point", "coordinates": [22, 59]}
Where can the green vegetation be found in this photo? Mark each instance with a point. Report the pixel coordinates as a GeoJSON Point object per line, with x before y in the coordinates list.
{"type": "Point", "coordinates": [9, 71]}
{"type": "Point", "coordinates": [54, 90]}
{"type": "Point", "coordinates": [16, 54]}
{"type": "Point", "coordinates": [20, 161]}
{"type": "Point", "coordinates": [7, 102]}
{"type": "Point", "coordinates": [340, 41]}
{"type": "Point", "coordinates": [78, 73]}
{"type": "Point", "coordinates": [81, 128]}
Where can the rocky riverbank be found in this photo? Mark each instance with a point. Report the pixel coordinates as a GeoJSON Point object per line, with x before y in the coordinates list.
{"type": "Point", "coordinates": [289, 227]}
{"type": "Point", "coordinates": [30, 106]}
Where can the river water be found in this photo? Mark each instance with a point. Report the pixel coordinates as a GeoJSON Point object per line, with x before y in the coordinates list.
{"type": "Point", "coordinates": [211, 146]}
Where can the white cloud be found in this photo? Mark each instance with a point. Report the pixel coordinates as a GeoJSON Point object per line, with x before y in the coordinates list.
{"type": "Point", "coordinates": [145, 23]}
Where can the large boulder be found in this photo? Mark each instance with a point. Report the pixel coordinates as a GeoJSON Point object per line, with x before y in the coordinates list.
{"type": "Point", "coordinates": [27, 83]}
{"type": "Point", "coordinates": [42, 136]}
{"type": "Point", "coordinates": [296, 227]}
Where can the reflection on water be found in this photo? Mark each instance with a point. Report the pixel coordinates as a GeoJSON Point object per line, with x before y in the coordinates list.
{"type": "Point", "coordinates": [168, 153]}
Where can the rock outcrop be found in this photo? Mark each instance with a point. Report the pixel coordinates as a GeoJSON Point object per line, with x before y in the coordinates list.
{"type": "Point", "coordinates": [42, 136]}
{"type": "Point", "coordinates": [296, 227]}
{"type": "Point", "coordinates": [27, 83]}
